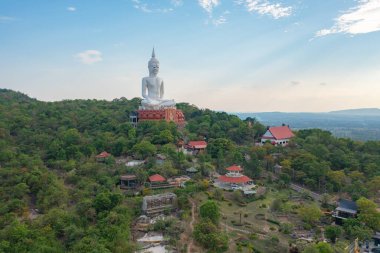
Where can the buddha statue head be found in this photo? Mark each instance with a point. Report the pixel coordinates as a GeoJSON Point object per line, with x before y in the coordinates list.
{"type": "Point", "coordinates": [153, 65]}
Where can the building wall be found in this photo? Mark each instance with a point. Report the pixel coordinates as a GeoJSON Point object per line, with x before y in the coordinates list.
{"type": "Point", "coordinates": [282, 142]}
{"type": "Point", "coordinates": [156, 204]}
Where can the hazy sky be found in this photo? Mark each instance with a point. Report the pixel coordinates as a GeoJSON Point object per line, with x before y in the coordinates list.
{"type": "Point", "coordinates": [231, 55]}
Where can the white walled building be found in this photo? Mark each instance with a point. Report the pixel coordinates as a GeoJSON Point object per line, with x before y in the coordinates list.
{"type": "Point", "coordinates": [279, 135]}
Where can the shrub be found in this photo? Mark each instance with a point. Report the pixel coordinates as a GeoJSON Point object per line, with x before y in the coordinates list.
{"type": "Point", "coordinates": [286, 228]}
{"type": "Point", "coordinates": [209, 236]}
{"type": "Point", "coordinates": [274, 239]}
{"type": "Point", "coordinates": [210, 210]}
{"type": "Point", "coordinates": [253, 236]}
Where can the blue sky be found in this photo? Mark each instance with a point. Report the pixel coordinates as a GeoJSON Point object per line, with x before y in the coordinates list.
{"type": "Point", "coordinates": [231, 55]}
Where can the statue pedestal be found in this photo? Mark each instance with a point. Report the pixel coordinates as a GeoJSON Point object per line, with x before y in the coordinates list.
{"type": "Point", "coordinates": [167, 114]}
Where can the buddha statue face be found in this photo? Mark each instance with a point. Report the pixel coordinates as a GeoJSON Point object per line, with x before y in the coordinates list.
{"type": "Point", "coordinates": [153, 67]}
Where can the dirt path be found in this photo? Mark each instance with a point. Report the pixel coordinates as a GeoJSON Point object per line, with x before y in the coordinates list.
{"type": "Point", "coordinates": [235, 229]}
{"type": "Point", "coordinates": [300, 189]}
{"type": "Point", "coordinates": [190, 245]}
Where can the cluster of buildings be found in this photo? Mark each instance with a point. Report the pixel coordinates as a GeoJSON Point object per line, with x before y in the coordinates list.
{"type": "Point", "coordinates": [156, 181]}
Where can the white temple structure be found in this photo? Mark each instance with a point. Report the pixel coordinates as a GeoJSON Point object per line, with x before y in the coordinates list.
{"type": "Point", "coordinates": [153, 105]}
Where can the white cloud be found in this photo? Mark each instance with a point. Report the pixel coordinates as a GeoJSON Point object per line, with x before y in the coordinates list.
{"type": "Point", "coordinates": [222, 19]}
{"type": "Point", "coordinates": [219, 21]}
{"type": "Point", "coordinates": [148, 8]}
{"type": "Point", "coordinates": [90, 56]}
{"type": "Point", "coordinates": [264, 7]}
{"type": "Point", "coordinates": [364, 18]}
{"type": "Point", "coordinates": [208, 5]}
{"type": "Point", "coordinates": [71, 8]}
{"type": "Point", "coordinates": [142, 6]}
{"type": "Point", "coordinates": [176, 2]}
{"type": "Point", "coordinates": [6, 19]}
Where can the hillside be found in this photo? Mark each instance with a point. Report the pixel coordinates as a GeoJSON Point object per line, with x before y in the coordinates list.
{"type": "Point", "coordinates": [56, 196]}
{"type": "Point", "coordinates": [53, 192]}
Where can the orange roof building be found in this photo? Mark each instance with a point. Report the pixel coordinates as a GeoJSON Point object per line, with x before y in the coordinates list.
{"type": "Point", "coordinates": [102, 156]}
{"type": "Point", "coordinates": [197, 144]}
{"type": "Point", "coordinates": [234, 179]}
{"type": "Point", "coordinates": [156, 178]}
{"type": "Point", "coordinates": [279, 135]}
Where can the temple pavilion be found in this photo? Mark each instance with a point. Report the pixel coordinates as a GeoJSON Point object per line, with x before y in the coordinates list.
{"type": "Point", "coordinates": [278, 136]}
{"type": "Point", "coordinates": [234, 179]}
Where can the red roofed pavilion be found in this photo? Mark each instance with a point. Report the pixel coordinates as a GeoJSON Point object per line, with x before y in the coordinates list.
{"type": "Point", "coordinates": [197, 144]}
{"type": "Point", "coordinates": [279, 135]}
{"type": "Point", "coordinates": [234, 179]}
{"type": "Point", "coordinates": [234, 168]}
{"type": "Point", "coordinates": [196, 147]}
{"type": "Point", "coordinates": [156, 178]}
{"type": "Point", "coordinates": [102, 156]}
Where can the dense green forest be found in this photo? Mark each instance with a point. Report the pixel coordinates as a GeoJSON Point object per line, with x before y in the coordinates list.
{"type": "Point", "coordinates": [47, 163]}
{"type": "Point", "coordinates": [55, 197]}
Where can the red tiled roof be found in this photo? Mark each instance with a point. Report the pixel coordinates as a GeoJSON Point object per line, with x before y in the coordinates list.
{"type": "Point", "coordinates": [197, 144]}
{"type": "Point", "coordinates": [104, 154]}
{"type": "Point", "coordinates": [234, 168]}
{"type": "Point", "coordinates": [235, 180]}
{"type": "Point", "coordinates": [157, 178]}
{"type": "Point", "coordinates": [281, 132]}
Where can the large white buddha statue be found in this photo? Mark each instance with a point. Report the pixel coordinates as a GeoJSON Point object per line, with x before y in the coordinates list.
{"type": "Point", "coordinates": [153, 88]}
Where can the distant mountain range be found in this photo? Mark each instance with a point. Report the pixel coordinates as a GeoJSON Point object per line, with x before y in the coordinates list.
{"type": "Point", "coordinates": [359, 112]}
{"type": "Point", "coordinates": [358, 124]}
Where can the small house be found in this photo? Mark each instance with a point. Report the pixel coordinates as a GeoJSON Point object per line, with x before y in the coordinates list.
{"type": "Point", "coordinates": [196, 147]}
{"type": "Point", "coordinates": [157, 181]}
{"type": "Point", "coordinates": [278, 136]}
{"type": "Point", "coordinates": [156, 178]}
{"type": "Point", "coordinates": [346, 209]}
{"type": "Point", "coordinates": [102, 156]}
{"type": "Point", "coordinates": [128, 182]}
